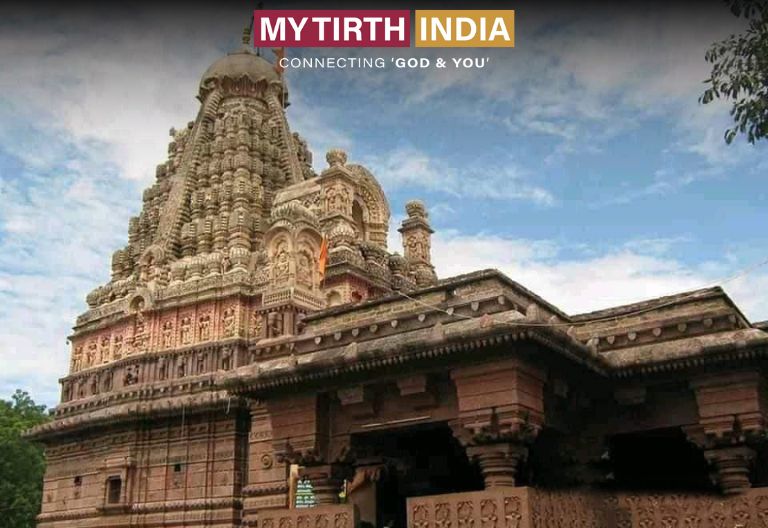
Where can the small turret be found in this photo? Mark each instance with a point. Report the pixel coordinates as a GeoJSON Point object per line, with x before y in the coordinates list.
{"type": "Point", "coordinates": [417, 243]}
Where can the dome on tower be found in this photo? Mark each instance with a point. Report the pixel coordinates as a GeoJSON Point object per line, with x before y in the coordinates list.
{"type": "Point", "coordinates": [238, 64]}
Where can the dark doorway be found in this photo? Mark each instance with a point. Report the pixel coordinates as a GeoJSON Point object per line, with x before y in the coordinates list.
{"type": "Point", "coordinates": [423, 460]}
{"type": "Point", "coordinates": [660, 460]}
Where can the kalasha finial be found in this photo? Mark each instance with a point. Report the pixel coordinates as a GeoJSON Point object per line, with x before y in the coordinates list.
{"type": "Point", "coordinates": [336, 157]}
{"type": "Point", "coordinates": [416, 209]}
{"type": "Point", "coordinates": [247, 31]}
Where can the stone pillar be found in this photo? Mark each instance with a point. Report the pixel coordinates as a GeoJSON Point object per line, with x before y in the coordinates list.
{"type": "Point", "coordinates": [498, 462]}
{"type": "Point", "coordinates": [327, 481]}
{"type": "Point", "coordinates": [731, 467]}
{"type": "Point", "coordinates": [501, 410]}
{"type": "Point", "coordinates": [361, 489]}
{"type": "Point", "coordinates": [301, 436]}
{"type": "Point", "coordinates": [732, 419]}
{"type": "Point", "coordinates": [266, 483]}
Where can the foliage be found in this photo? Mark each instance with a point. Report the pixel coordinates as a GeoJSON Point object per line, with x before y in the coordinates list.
{"type": "Point", "coordinates": [21, 463]}
{"type": "Point", "coordinates": [740, 72]}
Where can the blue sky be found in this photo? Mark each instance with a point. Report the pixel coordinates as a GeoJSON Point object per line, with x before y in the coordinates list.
{"type": "Point", "coordinates": [579, 163]}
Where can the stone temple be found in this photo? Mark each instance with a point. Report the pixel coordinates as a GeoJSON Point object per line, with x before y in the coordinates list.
{"type": "Point", "coordinates": [225, 377]}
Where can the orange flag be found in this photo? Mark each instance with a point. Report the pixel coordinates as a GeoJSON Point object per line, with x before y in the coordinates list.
{"type": "Point", "coordinates": [322, 259]}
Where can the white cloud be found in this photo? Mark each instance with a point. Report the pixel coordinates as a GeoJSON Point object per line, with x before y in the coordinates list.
{"type": "Point", "coordinates": [600, 73]}
{"type": "Point", "coordinates": [407, 166]}
{"type": "Point", "coordinates": [58, 225]}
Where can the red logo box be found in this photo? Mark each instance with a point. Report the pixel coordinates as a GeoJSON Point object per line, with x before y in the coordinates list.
{"type": "Point", "coordinates": [332, 28]}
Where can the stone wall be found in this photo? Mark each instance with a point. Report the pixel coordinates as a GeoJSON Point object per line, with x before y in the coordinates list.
{"type": "Point", "coordinates": [531, 508]}
{"type": "Point", "coordinates": [182, 472]}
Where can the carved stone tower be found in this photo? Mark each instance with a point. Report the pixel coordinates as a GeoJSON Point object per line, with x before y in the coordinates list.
{"type": "Point", "coordinates": [227, 244]}
{"type": "Point", "coordinates": [417, 241]}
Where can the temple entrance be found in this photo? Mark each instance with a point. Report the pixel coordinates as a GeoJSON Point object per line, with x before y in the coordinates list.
{"type": "Point", "coordinates": [413, 462]}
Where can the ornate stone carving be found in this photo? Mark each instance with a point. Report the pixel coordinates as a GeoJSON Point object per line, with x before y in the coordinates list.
{"type": "Point", "coordinates": [117, 347]}
{"type": "Point", "coordinates": [168, 334]}
{"type": "Point", "coordinates": [131, 376]}
{"type": "Point", "coordinates": [91, 354]}
{"type": "Point", "coordinates": [276, 324]}
{"type": "Point", "coordinates": [417, 245]}
{"type": "Point", "coordinates": [305, 269]}
{"type": "Point", "coordinates": [498, 462]}
{"type": "Point", "coordinates": [337, 199]}
{"type": "Point", "coordinates": [229, 322]}
{"type": "Point", "coordinates": [281, 263]}
{"type": "Point", "coordinates": [257, 325]}
{"type": "Point", "coordinates": [186, 330]}
{"type": "Point", "coordinates": [204, 327]}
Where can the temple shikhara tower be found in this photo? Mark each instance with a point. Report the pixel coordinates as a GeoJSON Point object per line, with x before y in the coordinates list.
{"type": "Point", "coordinates": [260, 357]}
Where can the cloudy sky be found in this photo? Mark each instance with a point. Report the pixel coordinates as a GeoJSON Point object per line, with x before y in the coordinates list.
{"type": "Point", "coordinates": [579, 163]}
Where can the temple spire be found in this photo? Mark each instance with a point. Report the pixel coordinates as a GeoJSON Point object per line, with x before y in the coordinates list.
{"type": "Point", "coordinates": [248, 31]}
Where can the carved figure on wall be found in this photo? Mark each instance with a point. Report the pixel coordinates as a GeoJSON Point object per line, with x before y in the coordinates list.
{"type": "Point", "coordinates": [162, 371]}
{"type": "Point", "coordinates": [131, 376]}
{"type": "Point", "coordinates": [228, 321]}
{"type": "Point", "coordinates": [140, 333]}
{"type": "Point", "coordinates": [138, 304]}
{"type": "Point", "coordinates": [418, 246]}
{"type": "Point", "coordinates": [186, 330]}
{"type": "Point", "coordinates": [140, 324]}
{"type": "Point", "coordinates": [204, 327]}
{"type": "Point", "coordinates": [337, 199]}
{"type": "Point", "coordinates": [275, 322]}
{"type": "Point", "coordinates": [281, 262]}
{"type": "Point", "coordinates": [140, 343]}
{"type": "Point", "coordinates": [91, 354]}
{"type": "Point", "coordinates": [117, 347]}
{"type": "Point", "coordinates": [77, 358]}
{"type": "Point", "coordinates": [104, 349]}
{"type": "Point", "coordinates": [226, 358]}
{"type": "Point", "coordinates": [168, 334]}
{"type": "Point", "coordinates": [257, 325]}
{"type": "Point", "coordinates": [181, 368]}
{"type": "Point", "coordinates": [200, 363]}
{"type": "Point", "coordinates": [147, 270]}
{"type": "Point", "coordinates": [95, 384]}
{"type": "Point", "coordinates": [107, 381]}
{"type": "Point", "coordinates": [304, 270]}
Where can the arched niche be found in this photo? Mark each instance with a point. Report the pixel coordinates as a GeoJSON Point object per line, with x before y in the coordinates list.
{"type": "Point", "coordinates": [373, 203]}
{"type": "Point", "coordinates": [360, 218]}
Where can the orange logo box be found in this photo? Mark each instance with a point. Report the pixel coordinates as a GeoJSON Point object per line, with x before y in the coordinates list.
{"type": "Point", "coordinates": [465, 28]}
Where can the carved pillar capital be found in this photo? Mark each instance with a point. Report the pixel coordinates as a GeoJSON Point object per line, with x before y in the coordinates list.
{"type": "Point", "coordinates": [732, 418]}
{"type": "Point", "coordinates": [729, 456]}
{"type": "Point", "coordinates": [501, 411]}
{"type": "Point", "coordinates": [498, 462]}
{"type": "Point", "coordinates": [731, 467]}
